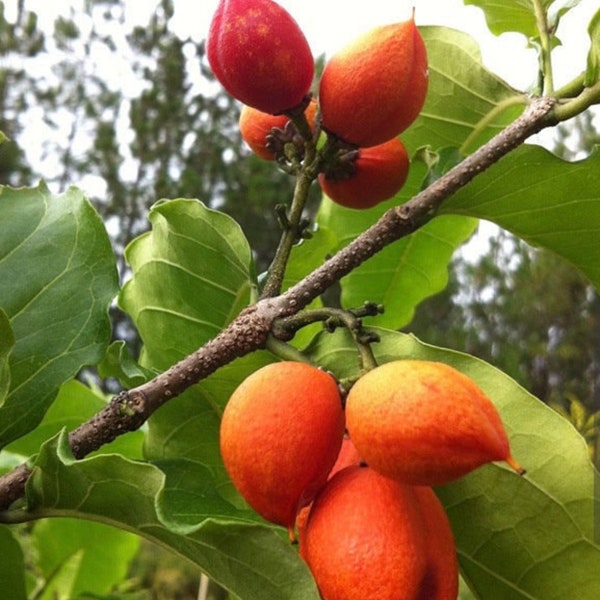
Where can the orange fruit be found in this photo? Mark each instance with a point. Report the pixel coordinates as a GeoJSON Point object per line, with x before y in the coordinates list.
{"type": "Point", "coordinates": [280, 434]}
{"type": "Point", "coordinates": [365, 538]}
{"type": "Point", "coordinates": [424, 423]}
{"type": "Point", "coordinates": [373, 89]}
{"type": "Point", "coordinates": [381, 171]}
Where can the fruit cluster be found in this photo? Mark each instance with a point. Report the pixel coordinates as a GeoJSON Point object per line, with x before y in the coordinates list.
{"type": "Point", "coordinates": [368, 94]}
{"type": "Point", "coordinates": [355, 481]}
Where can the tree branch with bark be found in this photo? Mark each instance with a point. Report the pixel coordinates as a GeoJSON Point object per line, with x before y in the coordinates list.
{"type": "Point", "coordinates": [250, 331]}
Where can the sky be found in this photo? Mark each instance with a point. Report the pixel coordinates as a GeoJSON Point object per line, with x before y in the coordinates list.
{"type": "Point", "coordinates": [329, 24]}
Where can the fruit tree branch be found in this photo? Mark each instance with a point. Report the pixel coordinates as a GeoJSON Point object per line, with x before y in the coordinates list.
{"type": "Point", "coordinates": [249, 331]}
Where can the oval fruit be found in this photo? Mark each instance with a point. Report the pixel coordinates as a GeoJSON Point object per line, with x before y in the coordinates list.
{"type": "Point", "coordinates": [424, 423]}
{"type": "Point", "coordinates": [259, 54]}
{"type": "Point", "coordinates": [380, 172]}
{"type": "Point", "coordinates": [373, 89]}
{"type": "Point", "coordinates": [364, 538]}
{"type": "Point", "coordinates": [280, 435]}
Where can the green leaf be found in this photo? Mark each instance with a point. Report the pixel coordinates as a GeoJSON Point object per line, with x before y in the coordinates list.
{"type": "Point", "coordinates": [7, 342]}
{"type": "Point", "coordinates": [60, 585]}
{"type": "Point", "coordinates": [517, 15]}
{"type": "Point", "coordinates": [542, 199]}
{"type": "Point", "coordinates": [592, 74]}
{"type": "Point", "coordinates": [404, 273]}
{"type": "Point", "coordinates": [192, 274]}
{"type": "Point", "coordinates": [518, 538]}
{"type": "Point", "coordinates": [55, 252]}
{"type": "Point", "coordinates": [104, 553]}
{"type": "Point", "coordinates": [12, 565]}
{"type": "Point", "coordinates": [119, 363]}
{"type": "Point", "coordinates": [74, 404]}
{"type": "Point", "coordinates": [466, 104]}
{"type": "Point", "coordinates": [254, 561]}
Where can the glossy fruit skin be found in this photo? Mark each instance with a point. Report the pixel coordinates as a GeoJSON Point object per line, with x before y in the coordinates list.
{"type": "Point", "coordinates": [423, 422]}
{"type": "Point", "coordinates": [255, 125]}
{"type": "Point", "coordinates": [381, 171]}
{"type": "Point", "coordinates": [280, 434]}
{"type": "Point", "coordinates": [373, 89]}
{"type": "Point", "coordinates": [365, 539]}
{"type": "Point", "coordinates": [440, 581]}
{"type": "Point", "coordinates": [259, 54]}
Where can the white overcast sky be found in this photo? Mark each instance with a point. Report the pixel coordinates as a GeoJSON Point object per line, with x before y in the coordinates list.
{"type": "Point", "coordinates": [328, 24]}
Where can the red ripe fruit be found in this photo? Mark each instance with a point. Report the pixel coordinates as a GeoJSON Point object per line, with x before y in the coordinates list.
{"type": "Point", "coordinates": [280, 434]}
{"type": "Point", "coordinates": [381, 171]}
{"type": "Point", "coordinates": [255, 125]}
{"type": "Point", "coordinates": [259, 54]}
{"type": "Point", "coordinates": [375, 88]}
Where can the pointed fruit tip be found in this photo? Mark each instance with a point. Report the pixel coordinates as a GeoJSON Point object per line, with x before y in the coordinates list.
{"type": "Point", "coordinates": [513, 464]}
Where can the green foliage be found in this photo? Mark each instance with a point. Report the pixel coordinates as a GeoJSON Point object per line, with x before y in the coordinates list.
{"type": "Point", "coordinates": [193, 272]}
{"type": "Point", "coordinates": [55, 252]}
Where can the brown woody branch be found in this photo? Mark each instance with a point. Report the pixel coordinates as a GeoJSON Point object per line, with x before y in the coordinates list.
{"type": "Point", "coordinates": [249, 331]}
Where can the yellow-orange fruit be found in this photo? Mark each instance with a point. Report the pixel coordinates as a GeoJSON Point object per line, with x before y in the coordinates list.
{"type": "Point", "coordinates": [424, 423]}
{"type": "Point", "coordinates": [365, 538]}
{"type": "Point", "coordinates": [373, 89]}
{"type": "Point", "coordinates": [381, 171]}
{"type": "Point", "coordinates": [440, 581]}
{"type": "Point", "coordinates": [259, 54]}
{"type": "Point", "coordinates": [280, 435]}
{"type": "Point", "coordinates": [255, 125]}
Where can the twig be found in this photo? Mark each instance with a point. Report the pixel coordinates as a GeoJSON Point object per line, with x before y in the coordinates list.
{"type": "Point", "coordinates": [250, 330]}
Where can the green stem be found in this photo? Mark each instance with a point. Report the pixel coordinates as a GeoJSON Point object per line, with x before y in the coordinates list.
{"type": "Point", "coordinates": [572, 108]}
{"type": "Point", "coordinates": [285, 351]}
{"type": "Point", "coordinates": [290, 236]}
{"type": "Point", "coordinates": [489, 117]}
{"type": "Point", "coordinates": [572, 89]}
{"type": "Point", "coordinates": [541, 18]}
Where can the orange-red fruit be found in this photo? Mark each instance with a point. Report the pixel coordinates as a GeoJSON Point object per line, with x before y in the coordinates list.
{"type": "Point", "coordinates": [280, 435]}
{"type": "Point", "coordinates": [259, 54]}
{"type": "Point", "coordinates": [255, 125]}
{"type": "Point", "coordinates": [441, 576]}
{"type": "Point", "coordinates": [424, 423]}
{"type": "Point", "coordinates": [373, 89]}
{"type": "Point", "coordinates": [365, 538]}
{"type": "Point", "coordinates": [381, 171]}
{"type": "Point", "coordinates": [347, 457]}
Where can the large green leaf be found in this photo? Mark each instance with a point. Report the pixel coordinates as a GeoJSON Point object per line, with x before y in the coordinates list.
{"type": "Point", "coordinates": [103, 553]}
{"type": "Point", "coordinates": [192, 274]}
{"type": "Point", "coordinates": [404, 273]}
{"type": "Point", "coordinates": [465, 101]}
{"type": "Point", "coordinates": [7, 341]}
{"type": "Point", "coordinates": [542, 199]}
{"type": "Point", "coordinates": [12, 565]}
{"type": "Point", "coordinates": [518, 538]}
{"type": "Point", "coordinates": [59, 277]}
{"type": "Point", "coordinates": [252, 560]}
